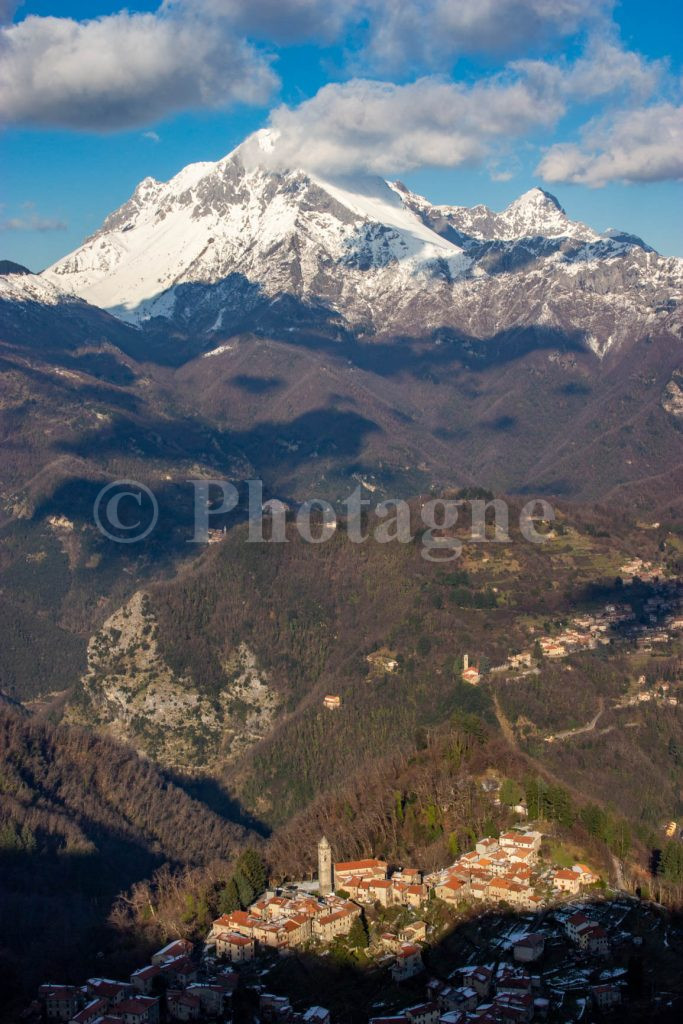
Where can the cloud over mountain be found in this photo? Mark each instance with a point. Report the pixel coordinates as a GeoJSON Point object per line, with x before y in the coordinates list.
{"type": "Point", "coordinates": [124, 70]}
{"type": "Point", "coordinates": [383, 127]}
{"type": "Point", "coordinates": [407, 108]}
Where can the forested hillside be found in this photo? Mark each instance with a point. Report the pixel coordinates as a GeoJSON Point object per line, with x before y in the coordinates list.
{"type": "Point", "coordinates": [82, 818]}
{"type": "Point", "coordinates": [330, 619]}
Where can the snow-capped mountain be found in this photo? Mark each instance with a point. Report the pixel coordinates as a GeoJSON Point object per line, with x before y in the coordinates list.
{"type": "Point", "coordinates": [536, 214]}
{"type": "Point", "coordinates": [36, 310]}
{"type": "Point", "coordinates": [355, 331]}
{"type": "Point", "coordinates": [22, 286]}
{"type": "Point", "coordinates": [233, 244]}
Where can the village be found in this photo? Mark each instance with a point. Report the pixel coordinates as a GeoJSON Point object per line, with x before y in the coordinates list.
{"type": "Point", "coordinates": [661, 622]}
{"type": "Point", "coordinates": [505, 877]}
{"type": "Point", "coordinates": [590, 630]}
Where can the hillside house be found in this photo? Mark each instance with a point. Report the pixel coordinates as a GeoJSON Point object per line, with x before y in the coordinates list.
{"type": "Point", "coordinates": [92, 1011]}
{"type": "Point", "coordinates": [391, 942]}
{"type": "Point", "coordinates": [235, 947]}
{"type": "Point", "coordinates": [332, 702]}
{"type": "Point", "coordinates": [586, 875]}
{"type": "Point", "coordinates": [606, 996]}
{"type": "Point", "coordinates": [574, 924]}
{"type": "Point", "coordinates": [381, 662]}
{"type": "Point", "coordinates": [61, 1001]}
{"type": "Point", "coordinates": [423, 1013]}
{"type": "Point", "coordinates": [274, 1008]}
{"type": "Point", "coordinates": [451, 890]}
{"type": "Point", "coordinates": [410, 895]}
{"type": "Point", "coordinates": [567, 880]}
{"type": "Point", "coordinates": [410, 875]}
{"type": "Point", "coordinates": [105, 988]}
{"type": "Point", "coordinates": [211, 995]}
{"type": "Point", "coordinates": [530, 841]}
{"type": "Point", "coordinates": [144, 979]}
{"type": "Point", "coordinates": [139, 1010]}
{"type": "Point", "coordinates": [180, 947]}
{"type": "Point", "coordinates": [178, 973]}
{"type": "Point", "coordinates": [316, 1015]}
{"type": "Point", "coordinates": [594, 940]}
{"type": "Point", "coordinates": [408, 962]}
{"type": "Point", "coordinates": [414, 932]}
{"type": "Point", "coordinates": [372, 890]}
{"type": "Point", "coordinates": [183, 1006]}
{"type": "Point", "coordinates": [368, 868]}
{"type": "Point", "coordinates": [339, 922]}
{"type": "Point", "coordinates": [529, 948]}
{"type": "Point", "coordinates": [478, 978]}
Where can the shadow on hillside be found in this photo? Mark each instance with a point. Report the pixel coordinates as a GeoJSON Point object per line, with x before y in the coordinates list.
{"type": "Point", "coordinates": [49, 937]}
{"type": "Point", "coordinates": [319, 433]}
{"type": "Point", "coordinates": [246, 308]}
{"type": "Point", "coordinates": [77, 389]}
{"type": "Point", "coordinates": [211, 793]}
{"type": "Point", "coordinates": [564, 975]}
{"type": "Point", "coordinates": [636, 594]}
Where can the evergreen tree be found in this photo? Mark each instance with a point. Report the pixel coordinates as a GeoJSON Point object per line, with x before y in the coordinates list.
{"type": "Point", "coordinates": [229, 898]}
{"type": "Point", "coordinates": [251, 866]}
{"type": "Point", "coordinates": [358, 934]}
{"type": "Point", "coordinates": [244, 889]}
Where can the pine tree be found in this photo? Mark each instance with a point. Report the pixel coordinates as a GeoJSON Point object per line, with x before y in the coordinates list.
{"type": "Point", "coordinates": [251, 866]}
{"type": "Point", "coordinates": [358, 934]}
{"type": "Point", "coordinates": [229, 898]}
{"type": "Point", "coordinates": [244, 889]}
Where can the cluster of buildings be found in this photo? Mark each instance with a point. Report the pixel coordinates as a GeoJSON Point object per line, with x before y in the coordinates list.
{"type": "Point", "coordinates": [497, 870]}
{"type": "Point", "coordinates": [278, 1010]}
{"type": "Point", "coordinates": [168, 987]}
{"type": "Point", "coordinates": [496, 993]}
{"type": "Point", "coordinates": [586, 632]}
{"type": "Point", "coordinates": [660, 694]}
{"type": "Point", "coordinates": [506, 868]}
{"type": "Point", "coordinates": [281, 922]}
{"type": "Point", "coordinates": [637, 568]}
{"type": "Point", "coordinates": [531, 975]}
{"type": "Point", "coordinates": [662, 611]}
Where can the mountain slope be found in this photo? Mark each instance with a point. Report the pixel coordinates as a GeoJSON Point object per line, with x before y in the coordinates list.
{"type": "Point", "coordinates": [81, 819]}
{"type": "Point", "coordinates": [233, 244]}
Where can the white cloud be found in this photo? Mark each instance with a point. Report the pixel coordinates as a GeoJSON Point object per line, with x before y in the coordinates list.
{"type": "Point", "coordinates": [383, 128]}
{"type": "Point", "coordinates": [281, 21]}
{"type": "Point", "coordinates": [123, 70]}
{"type": "Point", "coordinates": [152, 136]}
{"type": "Point", "coordinates": [603, 70]}
{"type": "Point", "coordinates": [641, 145]}
{"type": "Point", "coordinates": [391, 34]}
{"type": "Point", "coordinates": [430, 32]}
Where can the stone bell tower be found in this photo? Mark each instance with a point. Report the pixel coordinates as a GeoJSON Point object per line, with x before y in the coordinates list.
{"type": "Point", "coordinates": [325, 867]}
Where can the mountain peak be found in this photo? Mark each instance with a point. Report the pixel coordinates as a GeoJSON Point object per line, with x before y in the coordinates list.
{"type": "Point", "coordinates": [537, 213]}
{"type": "Point", "coordinates": [538, 198]}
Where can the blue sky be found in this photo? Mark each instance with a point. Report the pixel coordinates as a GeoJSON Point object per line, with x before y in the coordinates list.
{"type": "Point", "coordinates": [588, 107]}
